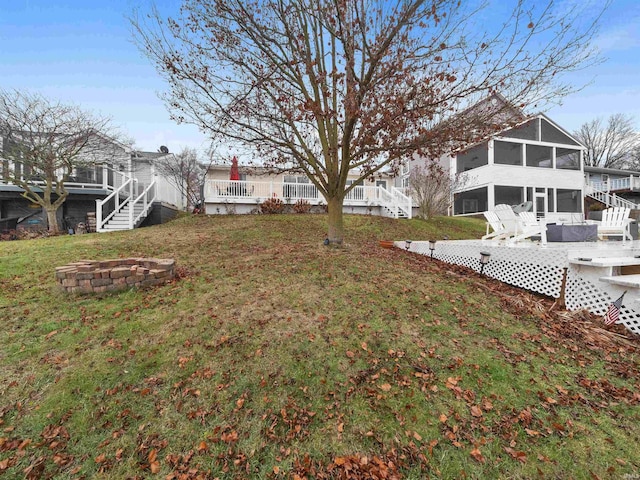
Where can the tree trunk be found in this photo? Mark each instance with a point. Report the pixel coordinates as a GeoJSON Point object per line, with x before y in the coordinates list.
{"type": "Point", "coordinates": [52, 219]}
{"type": "Point", "coordinates": [336, 226]}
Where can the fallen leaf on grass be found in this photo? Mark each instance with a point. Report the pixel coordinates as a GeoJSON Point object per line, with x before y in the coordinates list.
{"type": "Point", "coordinates": [476, 411]}
{"type": "Point", "coordinates": [385, 387]}
{"type": "Point", "coordinates": [477, 455]}
{"type": "Point", "coordinates": [517, 455]}
{"type": "Point", "coordinates": [51, 334]}
{"type": "Point", "coordinates": [350, 354]}
{"type": "Point", "coordinates": [443, 418]}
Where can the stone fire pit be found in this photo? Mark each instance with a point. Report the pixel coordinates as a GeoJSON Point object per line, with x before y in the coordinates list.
{"type": "Point", "coordinates": [92, 276]}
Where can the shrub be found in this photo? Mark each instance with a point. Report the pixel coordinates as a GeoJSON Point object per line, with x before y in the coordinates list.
{"type": "Point", "coordinates": [302, 206]}
{"type": "Point", "coordinates": [272, 205]}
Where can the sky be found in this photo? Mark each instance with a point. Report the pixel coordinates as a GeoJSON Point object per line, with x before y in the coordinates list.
{"type": "Point", "coordinates": [81, 51]}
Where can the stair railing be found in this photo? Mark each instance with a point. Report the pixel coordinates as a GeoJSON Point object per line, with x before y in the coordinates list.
{"type": "Point", "coordinates": [610, 200]}
{"type": "Point", "coordinates": [403, 201]}
{"type": "Point", "coordinates": [145, 199]}
{"type": "Point", "coordinates": [120, 197]}
{"type": "Point", "coordinates": [388, 201]}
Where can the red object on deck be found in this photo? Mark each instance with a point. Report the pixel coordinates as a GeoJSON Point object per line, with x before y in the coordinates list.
{"type": "Point", "coordinates": [235, 174]}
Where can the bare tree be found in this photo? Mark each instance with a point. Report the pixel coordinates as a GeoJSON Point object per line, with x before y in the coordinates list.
{"type": "Point", "coordinates": [43, 141]}
{"type": "Point", "coordinates": [431, 187]}
{"type": "Point", "coordinates": [187, 173]}
{"type": "Point", "coordinates": [610, 144]}
{"type": "Point", "coordinates": [332, 87]}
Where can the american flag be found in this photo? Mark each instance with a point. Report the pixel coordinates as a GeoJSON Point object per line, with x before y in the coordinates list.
{"type": "Point", "coordinates": [613, 313]}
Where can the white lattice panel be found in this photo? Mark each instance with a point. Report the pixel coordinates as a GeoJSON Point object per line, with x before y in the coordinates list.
{"type": "Point", "coordinates": [586, 293]}
{"type": "Point", "coordinates": [538, 270]}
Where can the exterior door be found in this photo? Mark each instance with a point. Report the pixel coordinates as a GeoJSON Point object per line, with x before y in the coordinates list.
{"type": "Point", "coordinates": [381, 183]}
{"type": "Point", "coordinates": [540, 202]}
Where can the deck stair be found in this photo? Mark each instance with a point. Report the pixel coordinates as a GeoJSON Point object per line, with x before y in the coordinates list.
{"type": "Point", "coordinates": [126, 207]}
{"type": "Point", "coordinates": [610, 200]}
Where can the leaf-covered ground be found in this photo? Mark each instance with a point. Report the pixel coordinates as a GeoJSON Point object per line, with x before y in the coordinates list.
{"type": "Point", "coordinates": [275, 357]}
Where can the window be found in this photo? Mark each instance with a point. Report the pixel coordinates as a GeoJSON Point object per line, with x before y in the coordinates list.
{"type": "Point", "coordinates": [550, 204]}
{"type": "Point", "coordinates": [567, 158]}
{"type": "Point", "coordinates": [507, 153]}
{"type": "Point", "coordinates": [472, 201]}
{"type": "Point", "coordinates": [526, 131]}
{"type": "Point", "coordinates": [473, 158]}
{"type": "Point", "coordinates": [552, 135]}
{"type": "Point", "coordinates": [569, 200]}
{"type": "Point", "coordinates": [538, 156]}
{"type": "Point", "coordinates": [508, 195]}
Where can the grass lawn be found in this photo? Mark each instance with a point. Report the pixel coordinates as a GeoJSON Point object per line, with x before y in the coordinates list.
{"type": "Point", "coordinates": [275, 357]}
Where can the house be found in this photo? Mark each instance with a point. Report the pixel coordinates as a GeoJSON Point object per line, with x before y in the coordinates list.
{"type": "Point", "coordinates": [613, 186]}
{"type": "Point", "coordinates": [377, 196]}
{"type": "Point", "coordinates": [118, 186]}
{"type": "Point", "coordinates": [534, 161]}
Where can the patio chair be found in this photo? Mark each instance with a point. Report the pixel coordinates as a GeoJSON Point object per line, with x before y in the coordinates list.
{"type": "Point", "coordinates": [529, 226]}
{"type": "Point", "coordinates": [499, 231]}
{"type": "Point", "coordinates": [508, 219]}
{"type": "Point", "coordinates": [615, 223]}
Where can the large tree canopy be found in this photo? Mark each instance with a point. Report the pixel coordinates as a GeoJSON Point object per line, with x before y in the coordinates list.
{"type": "Point", "coordinates": [43, 141]}
{"type": "Point", "coordinates": [337, 86]}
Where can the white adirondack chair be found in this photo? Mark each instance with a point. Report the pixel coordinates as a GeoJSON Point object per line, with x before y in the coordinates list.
{"type": "Point", "coordinates": [529, 226]}
{"type": "Point", "coordinates": [615, 223]}
{"type": "Point", "coordinates": [496, 225]}
{"type": "Point", "coordinates": [508, 219]}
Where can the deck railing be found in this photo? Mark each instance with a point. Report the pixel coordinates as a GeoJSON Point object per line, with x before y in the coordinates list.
{"type": "Point", "coordinates": [239, 191]}
{"type": "Point", "coordinates": [615, 184]}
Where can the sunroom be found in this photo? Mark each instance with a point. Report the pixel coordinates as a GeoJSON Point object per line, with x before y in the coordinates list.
{"type": "Point", "coordinates": [536, 161]}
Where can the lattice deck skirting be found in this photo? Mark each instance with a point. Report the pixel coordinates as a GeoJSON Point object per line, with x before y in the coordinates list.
{"type": "Point", "coordinates": [541, 269]}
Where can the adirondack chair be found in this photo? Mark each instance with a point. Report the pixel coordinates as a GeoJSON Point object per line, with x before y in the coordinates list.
{"type": "Point", "coordinates": [615, 223]}
{"type": "Point", "coordinates": [529, 226]}
{"type": "Point", "coordinates": [508, 219]}
{"type": "Point", "coordinates": [498, 228]}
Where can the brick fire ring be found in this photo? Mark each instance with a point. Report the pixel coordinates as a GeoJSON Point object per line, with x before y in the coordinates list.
{"type": "Point", "coordinates": [93, 276]}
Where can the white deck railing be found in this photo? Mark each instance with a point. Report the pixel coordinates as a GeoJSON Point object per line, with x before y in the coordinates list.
{"type": "Point", "coordinates": [614, 184]}
{"type": "Point", "coordinates": [232, 191]}
{"type": "Point", "coordinates": [610, 200]}
{"type": "Point", "coordinates": [254, 192]}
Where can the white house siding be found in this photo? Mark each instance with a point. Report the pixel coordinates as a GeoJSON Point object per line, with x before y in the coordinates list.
{"type": "Point", "coordinates": [535, 175]}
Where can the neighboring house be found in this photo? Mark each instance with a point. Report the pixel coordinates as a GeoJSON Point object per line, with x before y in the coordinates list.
{"type": "Point", "coordinates": [120, 188]}
{"type": "Point", "coordinates": [256, 184]}
{"type": "Point", "coordinates": [535, 161]}
{"type": "Point", "coordinates": [613, 186]}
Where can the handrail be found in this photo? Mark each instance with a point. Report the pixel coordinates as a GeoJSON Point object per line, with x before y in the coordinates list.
{"type": "Point", "coordinates": [100, 221]}
{"type": "Point", "coordinates": [404, 201]}
{"type": "Point", "coordinates": [146, 204]}
{"type": "Point", "coordinates": [610, 200]}
{"type": "Point", "coordinates": [387, 199]}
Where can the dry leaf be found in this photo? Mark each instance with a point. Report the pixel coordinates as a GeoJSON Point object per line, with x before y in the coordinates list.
{"type": "Point", "coordinates": [51, 334]}
{"type": "Point", "coordinates": [475, 453]}
{"type": "Point", "coordinates": [443, 418]}
{"type": "Point", "coordinates": [350, 354]}
{"type": "Point", "coordinates": [385, 387]}
{"type": "Point", "coordinates": [240, 402]}
{"type": "Point", "coordinates": [476, 411]}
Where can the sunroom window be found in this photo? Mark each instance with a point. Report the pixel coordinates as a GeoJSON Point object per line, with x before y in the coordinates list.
{"type": "Point", "coordinates": [507, 153]}
{"type": "Point", "coordinates": [538, 156]}
{"type": "Point", "coordinates": [472, 158]}
{"type": "Point", "coordinates": [567, 158]}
